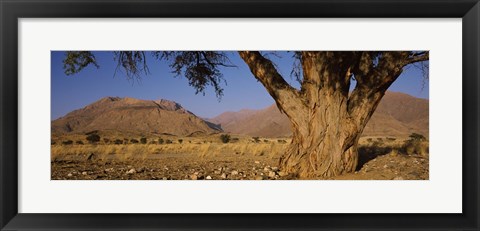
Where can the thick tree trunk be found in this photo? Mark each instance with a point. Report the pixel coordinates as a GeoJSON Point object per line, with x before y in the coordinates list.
{"type": "Point", "coordinates": [326, 143]}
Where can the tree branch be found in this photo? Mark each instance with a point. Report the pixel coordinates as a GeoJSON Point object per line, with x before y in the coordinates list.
{"type": "Point", "coordinates": [287, 98]}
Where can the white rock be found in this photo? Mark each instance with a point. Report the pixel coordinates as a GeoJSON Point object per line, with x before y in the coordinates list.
{"type": "Point", "coordinates": [208, 178]}
{"type": "Point", "coordinates": [271, 174]}
{"type": "Point", "coordinates": [84, 173]}
{"type": "Point", "coordinates": [131, 171]}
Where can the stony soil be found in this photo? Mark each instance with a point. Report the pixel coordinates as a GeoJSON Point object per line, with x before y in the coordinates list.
{"type": "Point", "coordinates": [390, 166]}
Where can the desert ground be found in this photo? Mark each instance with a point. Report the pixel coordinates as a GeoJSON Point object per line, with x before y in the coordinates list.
{"type": "Point", "coordinates": [168, 157]}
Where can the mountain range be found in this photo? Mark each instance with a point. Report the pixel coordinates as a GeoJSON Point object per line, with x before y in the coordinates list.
{"type": "Point", "coordinates": [398, 114]}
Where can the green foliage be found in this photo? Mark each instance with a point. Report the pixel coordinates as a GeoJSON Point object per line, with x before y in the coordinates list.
{"type": "Point", "coordinates": [180, 141]}
{"type": "Point", "coordinates": [75, 61]}
{"type": "Point", "coordinates": [93, 138]}
{"type": "Point", "coordinates": [225, 138]}
{"type": "Point", "coordinates": [160, 141]}
{"type": "Point", "coordinates": [143, 140]}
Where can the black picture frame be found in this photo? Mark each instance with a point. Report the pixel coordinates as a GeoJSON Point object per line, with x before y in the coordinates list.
{"type": "Point", "coordinates": [12, 10]}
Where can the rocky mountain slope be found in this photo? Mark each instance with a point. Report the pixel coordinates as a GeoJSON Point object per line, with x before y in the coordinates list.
{"type": "Point", "coordinates": [398, 114]}
{"type": "Point", "coordinates": [129, 114]}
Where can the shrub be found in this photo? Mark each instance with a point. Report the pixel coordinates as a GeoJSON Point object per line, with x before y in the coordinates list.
{"type": "Point", "coordinates": [79, 142]}
{"type": "Point", "coordinates": [53, 143]}
{"type": "Point", "coordinates": [180, 141]}
{"type": "Point", "coordinates": [106, 140]}
{"type": "Point", "coordinates": [369, 139]}
{"type": "Point", "coordinates": [417, 144]}
{"type": "Point", "coordinates": [391, 139]}
{"type": "Point", "coordinates": [161, 141]}
{"type": "Point", "coordinates": [118, 141]}
{"type": "Point", "coordinates": [168, 141]}
{"type": "Point", "coordinates": [134, 141]}
{"type": "Point", "coordinates": [282, 141]}
{"type": "Point", "coordinates": [234, 140]}
{"type": "Point", "coordinates": [67, 142]}
{"type": "Point", "coordinates": [266, 141]}
{"type": "Point", "coordinates": [93, 138]}
{"type": "Point", "coordinates": [256, 139]}
{"type": "Point", "coordinates": [153, 142]}
{"type": "Point", "coordinates": [143, 140]}
{"type": "Point", "coordinates": [416, 136]}
{"type": "Point", "coordinates": [380, 139]}
{"type": "Point", "coordinates": [225, 138]}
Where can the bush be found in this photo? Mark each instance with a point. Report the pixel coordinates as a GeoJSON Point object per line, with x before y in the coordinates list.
{"type": "Point", "coordinates": [79, 142]}
{"type": "Point", "coordinates": [225, 138]}
{"type": "Point", "coordinates": [106, 140]}
{"type": "Point", "coordinates": [118, 141]}
{"type": "Point", "coordinates": [180, 141]}
{"type": "Point", "coordinates": [266, 141]}
{"type": "Point", "coordinates": [67, 142]}
{"type": "Point", "coordinates": [256, 139]}
{"type": "Point", "coordinates": [391, 139]}
{"type": "Point", "coordinates": [161, 141]}
{"type": "Point", "coordinates": [153, 142]}
{"type": "Point", "coordinates": [93, 138]}
{"type": "Point", "coordinates": [369, 139]}
{"type": "Point", "coordinates": [418, 137]}
{"type": "Point", "coordinates": [168, 141]}
{"type": "Point", "coordinates": [134, 141]}
{"type": "Point", "coordinates": [143, 140]}
{"type": "Point", "coordinates": [282, 141]}
{"type": "Point", "coordinates": [417, 144]}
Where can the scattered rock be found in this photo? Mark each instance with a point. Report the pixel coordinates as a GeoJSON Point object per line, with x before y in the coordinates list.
{"type": "Point", "coordinates": [282, 174]}
{"type": "Point", "coordinates": [257, 162]}
{"type": "Point", "coordinates": [260, 178]}
{"type": "Point", "coordinates": [84, 173]}
{"type": "Point", "coordinates": [234, 172]}
{"type": "Point", "coordinates": [194, 177]}
{"type": "Point", "coordinates": [398, 178]}
{"type": "Point", "coordinates": [274, 169]}
{"type": "Point", "coordinates": [208, 177]}
{"type": "Point", "coordinates": [69, 175]}
{"type": "Point", "coordinates": [224, 176]}
{"type": "Point", "coordinates": [271, 174]}
{"type": "Point", "coordinates": [131, 171]}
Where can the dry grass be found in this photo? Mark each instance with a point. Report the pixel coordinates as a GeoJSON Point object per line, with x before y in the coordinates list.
{"type": "Point", "coordinates": [142, 151]}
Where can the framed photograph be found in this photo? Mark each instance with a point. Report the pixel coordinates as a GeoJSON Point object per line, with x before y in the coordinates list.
{"type": "Point", "coordinates": [265, 115]}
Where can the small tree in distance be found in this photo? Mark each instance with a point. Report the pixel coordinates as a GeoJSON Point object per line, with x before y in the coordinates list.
{"type": "Point", "coordinates": [225, 138]}
{"type": "Point", "coordinates": [93, 138]}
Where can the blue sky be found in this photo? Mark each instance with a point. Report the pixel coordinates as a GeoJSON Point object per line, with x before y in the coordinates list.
{"type": "Point", "coordinates": [242, 90]}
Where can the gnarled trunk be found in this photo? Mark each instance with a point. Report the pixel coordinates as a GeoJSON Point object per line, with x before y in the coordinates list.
{"type": "Point", "coordinates": [325, 144]}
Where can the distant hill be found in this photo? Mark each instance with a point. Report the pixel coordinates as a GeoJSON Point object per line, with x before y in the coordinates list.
{"type": "Point", "coordinates": [133, 115]}
{"type": "Point", "coordinates": [397, 114]}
